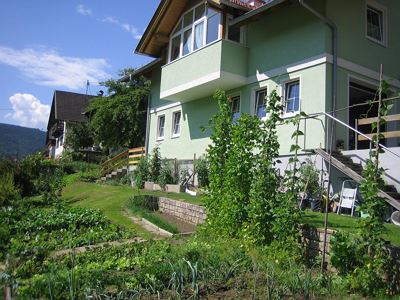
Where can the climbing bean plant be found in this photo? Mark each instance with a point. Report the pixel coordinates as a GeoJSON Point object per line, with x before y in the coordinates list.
{"type": "Point", "coordinates": [246, 198]}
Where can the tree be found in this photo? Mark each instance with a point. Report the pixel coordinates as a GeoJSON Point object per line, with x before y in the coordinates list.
{"type": "Point", "coordinates": [119, 119]}
{"type": "Point", "coordinates": [79, 135]}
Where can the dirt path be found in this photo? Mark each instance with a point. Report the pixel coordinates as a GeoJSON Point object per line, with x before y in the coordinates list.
{"type": "Point", "coordinates": [89, 247]}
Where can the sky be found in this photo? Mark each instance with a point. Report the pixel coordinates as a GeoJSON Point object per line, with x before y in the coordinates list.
{"type": "Point", "coordinates": [48, 45]}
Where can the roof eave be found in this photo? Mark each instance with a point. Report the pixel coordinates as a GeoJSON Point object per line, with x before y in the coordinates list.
{"type": "Point", "coordinates": [253, 14]}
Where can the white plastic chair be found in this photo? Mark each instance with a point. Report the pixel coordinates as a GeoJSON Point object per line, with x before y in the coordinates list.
{"type": "Point", "coordinates": [348, 196]}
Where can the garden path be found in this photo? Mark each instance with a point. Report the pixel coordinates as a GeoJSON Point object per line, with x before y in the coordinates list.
{"type": "Point", "coordinates": [89, 247]}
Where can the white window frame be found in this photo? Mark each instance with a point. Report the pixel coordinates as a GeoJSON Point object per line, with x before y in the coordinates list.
{"type": "Point", "coordinates": [255, 102]}
{"type": "Point", "coordinates": [159, 137]}
{"type": "Point", "coordinates": [173, 134]}
{"type": "Point", "coordinates": [284, 85]}
{"type": "Point", "coordinates": [383, 10]}
{"type": "Point", "coordinates": [236, 95]}
{"type": "Point", "coordinates": [192, 26]}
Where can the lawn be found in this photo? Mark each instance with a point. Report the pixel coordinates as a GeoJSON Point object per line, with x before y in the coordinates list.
{"type": "Point", "coordinates": [347, 223]}
{"type": "Point", "coordinates": [198, 200]}
{"type": "Point", "coordinates": [111, 200]}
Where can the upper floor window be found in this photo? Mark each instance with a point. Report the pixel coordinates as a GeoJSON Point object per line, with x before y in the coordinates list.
{"type": "Point", "coordinates": [161, 127]}
{"type": "Point", "coordinates": [292, 97]}
{"type": "Point", "coordinates": [261, 104]}
{"type": "Point", "coordinates": [197, 28]}
{"type": "Point", "coordinates": [376, 22]}
{"type": "Point", "coordinates": [176, 124]}
{"type": "Point", "coordinates": [235, 108]}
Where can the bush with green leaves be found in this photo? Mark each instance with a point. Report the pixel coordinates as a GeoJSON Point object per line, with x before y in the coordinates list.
{"type": "Point", "coordinates": [202, 171]}
{"type": "Point", "coordinates": [167, 175]}
{"type": "Point", "coordinates": [142, 173]}
{"type": "Point", "coordinates": [155, 164]}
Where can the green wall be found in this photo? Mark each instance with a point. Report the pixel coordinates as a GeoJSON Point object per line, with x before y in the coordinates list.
{"type": "Point", "coordinates": [350, 18]}
{"type": "Point", "coordinates": [285, 37]}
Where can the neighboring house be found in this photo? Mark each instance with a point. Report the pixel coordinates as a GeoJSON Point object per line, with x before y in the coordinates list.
{"type": "Point", "coordinates": [249, 48]}
{"type": "Point", "coordinates": [66, 107]}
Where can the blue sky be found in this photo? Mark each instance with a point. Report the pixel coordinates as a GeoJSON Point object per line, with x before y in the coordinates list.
{"type": "Point", "coordinates": [59, 44]}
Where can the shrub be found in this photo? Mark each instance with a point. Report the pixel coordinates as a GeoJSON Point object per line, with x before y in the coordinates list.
{"type": "Point", "coordinates": [142, 173]}
{"type": "Point", "coordinates": [166, 175]}
{"type": "Point", "coordinates": [155, 165]}
{"type": "Point", "coordinates": [8, 192]}
{"type": "Point", "coordinates": [202, 170]}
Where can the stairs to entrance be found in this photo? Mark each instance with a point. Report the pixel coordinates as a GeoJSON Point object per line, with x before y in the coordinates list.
{"type": "Point", "coordinates": [353, 170]}
{"type": "Point", "coordinates": [120, 165]}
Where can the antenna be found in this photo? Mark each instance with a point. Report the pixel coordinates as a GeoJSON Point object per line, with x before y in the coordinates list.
{"type": "Point", "coordinates": [87, 86]}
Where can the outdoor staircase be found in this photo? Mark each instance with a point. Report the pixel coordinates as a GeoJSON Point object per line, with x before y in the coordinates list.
{"type": "Point", "coordinates": [115, 174]}
{"type": "Point", "coordinates": [353, 170]}
{"type": "Point", "coordinates": [120, 165]}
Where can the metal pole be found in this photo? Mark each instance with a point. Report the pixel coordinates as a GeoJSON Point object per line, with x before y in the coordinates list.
{"type": "Point", "coordinates": [323, 263]}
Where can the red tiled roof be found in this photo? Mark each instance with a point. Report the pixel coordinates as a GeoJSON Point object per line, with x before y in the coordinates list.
{"type": "Point", "coordinates": [248, 3]}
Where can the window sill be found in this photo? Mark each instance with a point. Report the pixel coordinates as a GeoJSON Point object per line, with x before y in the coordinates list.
{"type": "Point", "coordinates": [160, 139]}
{"type": "Point", "coordinates": [290, 115]}
{"type": "Point", "coordinates": [378, 42]}
{"type": "Point", "coordinates": [175, 136]}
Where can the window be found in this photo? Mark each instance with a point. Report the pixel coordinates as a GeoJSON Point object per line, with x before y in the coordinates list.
{"type": "Point", "coordinates": [292, 97]}
{"type": "Point", "coordinates": [176, 124]}
{"type": "Point", "coordinates": [161, 127]}
{"type": "Point", "coordinates": [375, 24]}
{"type": "Point", "coordinates": [261, 104]}
{"type": "Point", "coordinates": [198, 27]}
{"type": "Point", "coordinates": [235, 108]}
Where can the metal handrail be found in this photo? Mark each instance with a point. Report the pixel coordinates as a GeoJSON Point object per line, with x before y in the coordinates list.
{"type": "Point", "coordinates": [353, 129]}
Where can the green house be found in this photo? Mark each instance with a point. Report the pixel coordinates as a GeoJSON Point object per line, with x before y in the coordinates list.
{"type": "Point", "coordinates": [320, 55]}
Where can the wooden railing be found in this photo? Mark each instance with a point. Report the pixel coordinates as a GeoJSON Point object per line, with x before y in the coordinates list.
{"type": "Point", "coordinates": [135, 155]}
{"type": "Point", "coordinates": [370, 121]}
{"type": "Point", "coordinates": [130, 157]}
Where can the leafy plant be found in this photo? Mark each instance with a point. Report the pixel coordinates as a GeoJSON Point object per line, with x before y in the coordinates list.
{"type": "Point", "coordinates": [155, 164]}
{"type": "Point", "coordinates": [142, 173]}
{"type": "Point", "coordinates": [202, 170]}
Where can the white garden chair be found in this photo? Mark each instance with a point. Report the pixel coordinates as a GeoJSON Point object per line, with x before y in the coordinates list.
{"type": "Point", "coordinates": [348, 196]}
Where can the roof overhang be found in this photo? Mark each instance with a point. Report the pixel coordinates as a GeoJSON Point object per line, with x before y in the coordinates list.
{"type": "Point", "coordinates": [157, 32]}
{"type": "Point", "coordinates": [256, 14]}
{"type": "Point", "coordinates": [143, 71]}
{"type": "Point", "coordinates": [168, 12]}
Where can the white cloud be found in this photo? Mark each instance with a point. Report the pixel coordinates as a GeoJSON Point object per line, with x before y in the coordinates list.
{"type": "Point", "coordinates": [28, 111]}
{"type": "Point", "coordinates": [48, 68]}
{"type": "Point", "coordinates": [84, 11]}
{"type": "Point", "coordinates": [125, 26]}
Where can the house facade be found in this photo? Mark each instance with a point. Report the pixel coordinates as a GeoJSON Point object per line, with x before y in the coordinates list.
{"type": "Point", "coordinates": [249, 48]}
{"type": "Point", "coordinates": [66, 107]}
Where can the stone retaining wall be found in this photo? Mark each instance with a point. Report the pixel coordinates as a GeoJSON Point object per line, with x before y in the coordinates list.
{"type": "Point", "coordinates": [187, 212]}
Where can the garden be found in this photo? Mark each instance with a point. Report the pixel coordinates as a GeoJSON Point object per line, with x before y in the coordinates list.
{"type": "Point", "coordinates": [250, 246]}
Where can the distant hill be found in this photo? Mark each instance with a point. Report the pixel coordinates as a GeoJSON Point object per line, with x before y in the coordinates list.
{"type": "Point", "coordinates": [17, 141]}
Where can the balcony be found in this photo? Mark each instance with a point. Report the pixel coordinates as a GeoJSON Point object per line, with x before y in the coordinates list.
{"type": "Point", "coordinates": [220, 65]}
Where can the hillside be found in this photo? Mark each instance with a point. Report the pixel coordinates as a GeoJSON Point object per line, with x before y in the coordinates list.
{"type": "Point", "coordinates": [17, 141]}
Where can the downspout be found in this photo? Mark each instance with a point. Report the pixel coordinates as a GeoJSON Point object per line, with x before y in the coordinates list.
{"type": "Point", "coordinates": [146, 142]}
{"type": "Point", "coordinates": [332, 128]}
{"type": "Point", "coordinates": [333, 27]}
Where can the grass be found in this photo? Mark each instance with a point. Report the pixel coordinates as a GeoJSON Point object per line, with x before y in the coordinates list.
{"type": "Point", "coordinates": [152, 217]}
{"type": "Point", "coordinates": [198, 200]}
{"type": "Point", "coordinates": [111, 200]}
{"type": "Point", "coordinates": [349, 224]}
